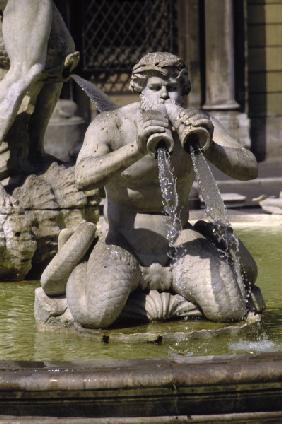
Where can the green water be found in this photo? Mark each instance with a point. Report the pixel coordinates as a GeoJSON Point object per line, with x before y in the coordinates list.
{"type": "Point", "coordinates": [20, 340]}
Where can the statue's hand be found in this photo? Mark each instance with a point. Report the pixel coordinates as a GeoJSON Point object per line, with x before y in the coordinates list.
{"type": "Point", "coordinates": [193, 119]}
{"type": "Point", "coordinates": [151, 122]}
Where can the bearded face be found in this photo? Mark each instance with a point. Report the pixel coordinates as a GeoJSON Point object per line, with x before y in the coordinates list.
{"type": "Point", "coordinates": [160, 90]}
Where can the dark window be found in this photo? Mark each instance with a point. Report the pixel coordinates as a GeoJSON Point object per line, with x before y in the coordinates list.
{"type": "Point", "coordinates": [116, 33]}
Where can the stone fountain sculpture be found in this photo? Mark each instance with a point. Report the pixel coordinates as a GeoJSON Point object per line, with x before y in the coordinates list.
{"type": "Point", "coordinates": [38, 196]}
{"type": "Point", "coordinates": [123, 269]}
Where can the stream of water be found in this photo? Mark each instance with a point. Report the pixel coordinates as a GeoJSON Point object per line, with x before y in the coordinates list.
{"type": "Point", "coordinates": [216, 213]}
{"type": "Point", "coordinates": [214, 208]}
{"type": "Point", "coordinates": [170, 197]}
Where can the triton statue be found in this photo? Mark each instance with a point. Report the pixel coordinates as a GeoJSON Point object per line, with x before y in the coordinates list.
{"type": "Point", "coordinates": [127, 272]}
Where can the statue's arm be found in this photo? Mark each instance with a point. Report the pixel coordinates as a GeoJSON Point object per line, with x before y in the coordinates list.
{"type": "Point", "coordinates": [99, 159]}
{"type": "Point", "coordinates": [229, 156]}
{"type": "Point", "coordinates": [26, 43]}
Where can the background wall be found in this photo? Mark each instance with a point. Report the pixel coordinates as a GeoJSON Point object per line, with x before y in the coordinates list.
{"type": "Point", "coordinates": [264, 32]}
{"type": "Point", "coordinates": [225, 43]}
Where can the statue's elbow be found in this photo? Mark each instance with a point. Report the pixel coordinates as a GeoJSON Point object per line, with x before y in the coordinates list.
{"type": "Point", "coordinates": [79, 177]}
{"type": "Point", "coordinates": [85, 181]}
{"type": "Point", "coordinates": [79, 183]}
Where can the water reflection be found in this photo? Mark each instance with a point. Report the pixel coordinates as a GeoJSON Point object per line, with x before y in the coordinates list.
{"type": "Point", "coordinates": [20, 340]}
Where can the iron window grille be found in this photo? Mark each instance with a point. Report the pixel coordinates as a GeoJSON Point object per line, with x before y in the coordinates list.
{"type": "Point", "coordinates": [116, 33]}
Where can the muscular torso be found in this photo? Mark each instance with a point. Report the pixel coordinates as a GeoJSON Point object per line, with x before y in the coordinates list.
{"type": "Point", "coordinates": [134, 206]}
{"type": "Point", "coordinates": [111, 156]}
{"type": "Point", "coordinates": [138, 185]}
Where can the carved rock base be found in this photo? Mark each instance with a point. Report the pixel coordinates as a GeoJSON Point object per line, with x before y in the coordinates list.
{"type": "Point", "coordinates": [140, 307]}
{"type": "Point", "coordinates": [32, 217]}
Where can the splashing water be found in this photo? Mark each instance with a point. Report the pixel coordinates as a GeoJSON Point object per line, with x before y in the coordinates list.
{"type": "Point", "coordinates": [216, 212]}
{"type": "Point", "coordinates": [170, 197]}
{"type": "Point", "coordinates": [215, 208]}
{"type": "Point", "coordinates": [260, 345]}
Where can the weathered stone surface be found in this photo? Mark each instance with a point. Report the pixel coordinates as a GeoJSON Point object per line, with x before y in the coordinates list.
{"type": "Point", "coordinates": [17, 243]}
{"type": "Point", "coordinates": [32, 218]}
{"type": "Point", "coordinates": [51, 310]}
{"type": "Point", "coordinates": [136, 251]}
{"type": "Point", "coordinates": [17, 246]}
{"type": "Point", "coordinates": [98, 289]}
{"type": "Point", "coordinates": [61, 179]}
{"type": "Point", "coordinates": [35, 58]}
{"type": "Point", "coordinates": [245, 388]}
{"type": "Point", "coordinates": [156, 306]}
{"type": "Point", "coordinates": [41, 51]}
{"type": "Point", "coordinates": [140, 307]}
{"type": "Point", "coordinates": [56, 274]}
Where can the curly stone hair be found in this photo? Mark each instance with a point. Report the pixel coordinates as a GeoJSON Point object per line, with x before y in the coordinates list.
{"type": "Point", "coordinates": [159, 64]}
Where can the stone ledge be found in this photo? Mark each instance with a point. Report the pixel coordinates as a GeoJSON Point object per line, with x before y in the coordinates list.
{"type": "Point", "coordinates": [242, 384]}
{"type": "Point", "coordinates": [240, 418]}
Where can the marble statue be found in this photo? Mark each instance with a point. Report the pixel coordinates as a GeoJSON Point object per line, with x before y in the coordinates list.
{"type": "Point", "coordinates": [38, 196]}
{"type": "Point", "coordinates": [126, 272]}
{"type": "Point", "coordinates": [38, 54]}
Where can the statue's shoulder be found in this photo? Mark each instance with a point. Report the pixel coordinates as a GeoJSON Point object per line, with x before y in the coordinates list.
{"type": "Point", "coordinates": [115, 118]}
{"type": "Point", "coordinates": [106, 118]}
{"type": "Point", "coordinates": [129, 111]}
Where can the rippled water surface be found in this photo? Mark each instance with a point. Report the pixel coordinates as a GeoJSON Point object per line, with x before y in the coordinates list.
{"type": "Point", "coordinates": [20, 340]}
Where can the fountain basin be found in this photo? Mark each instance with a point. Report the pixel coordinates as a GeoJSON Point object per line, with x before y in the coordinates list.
{"type": "Point", "coordinates": [162, 371]}
{"type": "Point", "coordinates": [20, 339]}
{"type": "Point", "coordinates": [202, 389]}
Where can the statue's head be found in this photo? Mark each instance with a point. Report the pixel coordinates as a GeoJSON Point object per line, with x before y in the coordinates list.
{"type": "Point", "coordinates": [161, 65]}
